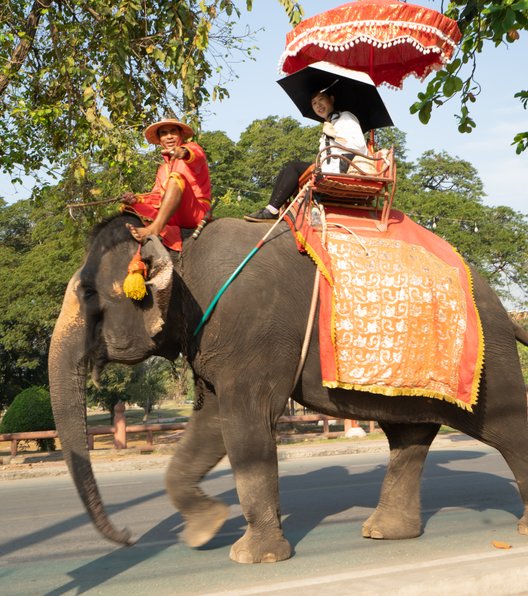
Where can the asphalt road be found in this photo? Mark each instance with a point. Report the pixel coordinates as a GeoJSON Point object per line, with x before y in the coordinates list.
{"type": "Point", "coordinates": [469, 500]}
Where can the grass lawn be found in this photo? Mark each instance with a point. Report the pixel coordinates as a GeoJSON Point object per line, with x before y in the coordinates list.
{"type": "Point", "coordinates": [166, 410]}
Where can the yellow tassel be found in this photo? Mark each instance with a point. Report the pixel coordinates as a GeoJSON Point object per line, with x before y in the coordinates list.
{"type": "Point", "coordinates": [134, 284]}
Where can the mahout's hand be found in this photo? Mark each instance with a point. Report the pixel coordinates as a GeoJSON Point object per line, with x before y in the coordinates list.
{"type": "Point", "coordinates": [129, 198]}
{"type": "Point", "coordinates": [176, 153]}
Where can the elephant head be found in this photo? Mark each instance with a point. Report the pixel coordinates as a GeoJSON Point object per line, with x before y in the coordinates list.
{"type": "Point", "coordinates": [99, 324]}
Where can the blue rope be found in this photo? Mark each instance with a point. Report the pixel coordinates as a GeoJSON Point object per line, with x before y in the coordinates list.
{"type": "Point", "coordinates": [211, 306]}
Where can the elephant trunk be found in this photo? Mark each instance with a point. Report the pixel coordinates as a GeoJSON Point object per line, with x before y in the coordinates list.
{"type": "Point", "coordinates": [67, 377]}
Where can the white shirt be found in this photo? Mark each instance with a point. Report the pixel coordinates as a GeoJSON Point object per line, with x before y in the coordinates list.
{"type": "Point", "coordinates": [350, 135]}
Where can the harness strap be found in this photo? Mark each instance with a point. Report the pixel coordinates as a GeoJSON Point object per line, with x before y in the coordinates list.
{"type": "Point", "coordinates": [313, 306]}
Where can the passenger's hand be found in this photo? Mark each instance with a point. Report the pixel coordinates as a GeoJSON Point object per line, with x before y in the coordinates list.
{"type": "Point", "coordinates": [129, 198]}
{"type": "Point", "coordinates": [329, 130]}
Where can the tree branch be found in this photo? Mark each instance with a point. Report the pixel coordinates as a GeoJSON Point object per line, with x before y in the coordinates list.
{"type": "Point", "coordinates": [22, 50]}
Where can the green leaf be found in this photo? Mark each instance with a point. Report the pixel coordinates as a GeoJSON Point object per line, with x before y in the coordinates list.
{"type": "Point", "coordinates": [425, 113]}
{"type": "Point", "coordinates": [88, 93]}
{"type": "Point", "coordinates": [105, 122]}
{"type": "Point", "coordinates": [90, 115]}
{"type": "Point", "coordinates": [452, 85]}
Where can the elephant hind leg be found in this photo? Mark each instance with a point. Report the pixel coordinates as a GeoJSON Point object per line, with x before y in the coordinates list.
{"type": "Point", "coordinates": [398, 514]}
{"type": "Point", "coordinates": [200, 449]}
{"type": "Point", "coordinates": [513, 446]}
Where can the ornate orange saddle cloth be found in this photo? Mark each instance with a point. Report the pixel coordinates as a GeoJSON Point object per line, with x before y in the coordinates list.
{"type": "Point", "coordinates": [397, 315]}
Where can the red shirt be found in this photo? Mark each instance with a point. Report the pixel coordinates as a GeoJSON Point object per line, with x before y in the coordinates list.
{"type": "Point", "coordinates": [193, 170]}
{"type": "Point", "coordinates": [192, 176]}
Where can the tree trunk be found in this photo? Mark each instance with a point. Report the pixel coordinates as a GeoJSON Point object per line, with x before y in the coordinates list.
{"type": "Point", "coordinates": [23, 48]}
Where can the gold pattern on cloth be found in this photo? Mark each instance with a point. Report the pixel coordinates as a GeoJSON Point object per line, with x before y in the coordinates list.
{"type": "Point", "coordinates": [399, 317]}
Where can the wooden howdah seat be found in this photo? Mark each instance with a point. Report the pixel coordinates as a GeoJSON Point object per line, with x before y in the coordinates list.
{"type": "Point", "coordinates": [369, 182]}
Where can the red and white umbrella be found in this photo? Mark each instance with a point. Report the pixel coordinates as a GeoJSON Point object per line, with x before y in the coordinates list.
{"type": "Point", "coordinates": [387, 39]}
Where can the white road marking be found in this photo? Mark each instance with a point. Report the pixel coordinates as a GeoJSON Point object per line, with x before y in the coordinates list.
{"type": "Point", "coordinates": [369, 573]}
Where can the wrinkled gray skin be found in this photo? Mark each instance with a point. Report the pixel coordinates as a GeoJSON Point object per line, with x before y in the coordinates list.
{"type": "Point", "coordinates": [244, 361]}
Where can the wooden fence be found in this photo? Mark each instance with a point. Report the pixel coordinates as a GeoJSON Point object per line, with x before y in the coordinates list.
{"type": "Point", "coordinates": [120, 430]}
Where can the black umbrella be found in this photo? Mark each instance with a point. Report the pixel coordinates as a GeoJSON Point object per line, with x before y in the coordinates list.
{"type": "Point", "coordinates": [353, 91]}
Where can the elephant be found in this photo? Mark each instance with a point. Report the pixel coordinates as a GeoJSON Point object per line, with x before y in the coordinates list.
{"type": "Point", "coordinates": [244, 360]}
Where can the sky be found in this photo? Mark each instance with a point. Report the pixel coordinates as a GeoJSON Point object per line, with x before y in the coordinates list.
{"type": "Point", "coordinates": [255, 95]}
{"type": "Point", "coordinates": [501, 73]}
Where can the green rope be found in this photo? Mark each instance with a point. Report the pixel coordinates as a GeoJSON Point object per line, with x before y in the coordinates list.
{"type": "Point", "coordinates": [211, 306]}
{"type": "Point", "coordinates": [260, 244]}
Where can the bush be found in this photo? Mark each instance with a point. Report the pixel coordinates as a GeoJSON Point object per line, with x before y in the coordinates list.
{"type": "Point", "coordinates": [30, 411]}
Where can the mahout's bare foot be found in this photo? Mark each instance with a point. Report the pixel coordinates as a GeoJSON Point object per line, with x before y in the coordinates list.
{"type": "Point", "coordinates": [139, 234]}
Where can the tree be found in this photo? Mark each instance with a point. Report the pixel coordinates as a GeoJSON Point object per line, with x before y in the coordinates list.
{"type": "Point", "coordinates": [30, 412]}
{"type": "Point", "coordinates": [150, 383]}
{"type": "Point", "coordinates": [79, 79]}
{"type": "Point", "coordinates": [482, 22]}
{"type": "Point", "coordinates": [15, 226]}
{"type": "Point", "coordinates": [243, 172]}
{"type": "Point", "coordinates": [144, 384]}
{"type": "Point", "coordinates": [111, 387]}
{"type": "Point", "coordinates": [270, 143]}
{"type": "Point", "coordinates": [39, 250]}
{"type": "Point", "coordinates": [445, 194]}
{"type": "Point", "coordinates": [523, 356]}
{"type": "Point", "coordinates": [441, 172]}
{"type": "Point", "coordinates": [227, 164]}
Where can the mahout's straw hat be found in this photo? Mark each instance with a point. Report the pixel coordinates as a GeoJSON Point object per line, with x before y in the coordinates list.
{"type": "Point", "coordinates": [151, 132]}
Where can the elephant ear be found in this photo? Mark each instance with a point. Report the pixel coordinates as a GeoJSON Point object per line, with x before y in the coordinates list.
{"type": "Point", "coordinates": [160, 277]}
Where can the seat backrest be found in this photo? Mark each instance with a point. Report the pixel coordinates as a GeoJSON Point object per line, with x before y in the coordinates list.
{"type": "Point", "coordinates": [375, 164]}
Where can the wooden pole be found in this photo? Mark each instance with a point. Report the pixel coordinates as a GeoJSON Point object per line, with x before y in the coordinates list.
{"type": "Point", "coordinates": [120, 437]}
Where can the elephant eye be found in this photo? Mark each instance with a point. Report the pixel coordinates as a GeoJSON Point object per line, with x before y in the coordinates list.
{"type": "Point", "coordinates": [88, 292]}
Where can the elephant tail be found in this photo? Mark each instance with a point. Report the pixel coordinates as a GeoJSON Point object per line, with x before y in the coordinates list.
{"type": "Point", "coordinates": [521, 335]}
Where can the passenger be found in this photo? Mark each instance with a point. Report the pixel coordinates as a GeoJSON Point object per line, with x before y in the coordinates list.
{"type": "Point", "coordinates": [181, 195]}
{"type": "Point", "coordinates": [340, 128]}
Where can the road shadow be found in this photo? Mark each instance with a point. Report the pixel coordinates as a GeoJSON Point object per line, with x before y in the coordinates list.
{"type": "Point", "coordinates": [97, 572]}
{"type": "Point", "coordinates": [306, 501]}
{"type": "Point", "coordinates": [334, 490]}
{"type": "Point", "coordinates": [55, 531]}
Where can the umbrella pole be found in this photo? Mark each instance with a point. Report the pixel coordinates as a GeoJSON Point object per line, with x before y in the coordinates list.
{"type": "Point", "coordinates": [371, 142]}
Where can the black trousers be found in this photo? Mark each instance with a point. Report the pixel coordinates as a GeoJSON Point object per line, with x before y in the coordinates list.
{"type": "Point", "coordinates": [287, 182]}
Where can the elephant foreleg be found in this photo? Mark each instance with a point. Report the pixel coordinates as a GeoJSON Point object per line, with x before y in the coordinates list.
{"type": "Point", "coordinates": [252, 451]}
{"type": "Point", "coordinates": [201, 448]}
{"type": "Point", "coordinates": [398, 514]}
